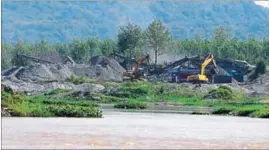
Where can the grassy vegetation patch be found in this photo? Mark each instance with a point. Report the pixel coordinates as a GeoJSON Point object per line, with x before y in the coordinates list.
{"type": "Point", "coordinates": [78, 79]}
{"type": "Point", "coordinates": [131, 105]}
{"type": "Point", "coordinates": [222, 110]}
{"type": "Point", "coordinates": [43, 106]}
{"type": "Point", "coordinates": [264, 113]}
{"type": "Point", "coordinates": [255, 110]}
{"type": "Point", "coordinates": [74, 111]}
{"type": "Point", "coordinates": [222, 92]}
{"type": "Point", "coordinates": [129, 92]}
{"type": "Point", "coordinates": [109, 99]}
{"type": "Point", "coordinates": [56, 91]}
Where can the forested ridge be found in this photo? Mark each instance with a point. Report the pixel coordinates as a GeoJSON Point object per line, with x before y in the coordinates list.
{"type": "Point", "coordinates": [232, 29]}
{"type": "Point", "coordinates": [32, 21]}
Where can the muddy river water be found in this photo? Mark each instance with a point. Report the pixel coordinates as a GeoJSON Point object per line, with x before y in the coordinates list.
{"type": "Point", "coordinates": [136, 130]}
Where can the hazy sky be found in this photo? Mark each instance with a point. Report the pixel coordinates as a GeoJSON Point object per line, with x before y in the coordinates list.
{"type": "Point", "coordinates": [263, 3]}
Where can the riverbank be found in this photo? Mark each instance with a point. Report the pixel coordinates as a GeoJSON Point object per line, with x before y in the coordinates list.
{"type": "Point", "coordinates": [137, 96]}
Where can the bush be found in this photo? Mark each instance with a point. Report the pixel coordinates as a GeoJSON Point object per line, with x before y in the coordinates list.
{"type": "Point", "coordinates": [70, 102]}
{"type": "Point", "coordinates": [258, 111]}
{"type": "Point", "coordinates": [78, 80]}
{"type": "Point", "coordinates": [75, 111]}
{"type": "Point", "coordinates": [131, 105]}
{"type": "Point", "coordinates": [41, 111]}
{"type": "Point", "coordinates": [110, 99]}
{"type": "Point", "coordinates": [41, 106]}
{"type": "Point", "coordinates": [222, 110]}
{"type": "Point", "coordinates": [56, 91]}
{"type": "Point", "coordinates": [259, 70]}
{"type": "Point", "coordinates": [261, 114]}
{"type": "Point", "coordinates": [222, 92]}
{"type": "Point", "coordinates": [244, 111]}
{"type": "Point", "coordinates": [129, 92]}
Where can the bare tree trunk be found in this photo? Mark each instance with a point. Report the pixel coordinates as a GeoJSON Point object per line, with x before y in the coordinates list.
{"type": "Point", "coordinates": [156, 50]}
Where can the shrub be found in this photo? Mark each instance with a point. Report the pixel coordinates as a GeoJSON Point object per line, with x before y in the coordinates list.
{"type": "Point", "coordinates": [222, 92]}
{"type": "Point", "coordinates": [70, 102]}
{"type": "Point", "coordinates": [131, 105]}
{"type": "Point", "coordinates": [56, 91]}
{"type": "Point", "coordinates": [41, 111]}
{"type": "Point", "coordinates": [78, 80]}
{"type": "Point", "coordinates": [41, 106]}
{"type": "Point", "coordinates": [222, 110]}
{"type": "Point", "coordinates": [110, 99]}
{"type": "Point", "coordinates": [261, 113]}
{"type": "Point", "coordinates": [259, 70]}
{"type": "Point", "coordinates": [245, 111]}
{"type": "Point", "coordinates": [129, 92]}
{"type": "Point", "coordinates": [75, 111]}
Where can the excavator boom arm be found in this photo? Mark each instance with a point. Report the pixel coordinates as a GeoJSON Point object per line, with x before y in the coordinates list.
{"type": "Point", "coordinates": [138, 62]}
{"type": "Point", "coordinates": [206, 62]}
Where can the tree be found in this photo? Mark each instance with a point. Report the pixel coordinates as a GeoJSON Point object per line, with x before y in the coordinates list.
{"type": "Point", "coordinates": [259, 70]}
{"type": "Point", "coordinates": [61, 48]}
{"type": "Point", "coordinates": [20, 48]}
{"type": "Point", "coordinates": [108, 46]}
{"type": "Point", "coordinates": [43, 46]}
{"type": "Point", "coordinates": [94, 44]}
{"type": "Point", "coordinates": [129, 38]}
{"type": "Point", "coordinates": [79, 50]}
{"type": "Point", "coordinates": [6, 56]}
{"type": "Point", "coordinates": [157, 36]}
{"type": "Point", "coordinates": [220, 39]}
{"type": "Point", "coordinates": [265, 46]}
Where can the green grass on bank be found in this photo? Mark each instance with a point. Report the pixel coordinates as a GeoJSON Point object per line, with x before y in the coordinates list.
{"type": "Point", "coordinates": [134, 95]}
{"type": "Point", "coordinates": [223, 99]}
{"type": "Point", "coordinates": [43, 106]}
{"type": "Point", "coordinates": [255, 110]}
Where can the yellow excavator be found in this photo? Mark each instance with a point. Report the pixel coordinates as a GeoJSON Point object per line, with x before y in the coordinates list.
{"type": "Point", "coordinates": [202, 78]}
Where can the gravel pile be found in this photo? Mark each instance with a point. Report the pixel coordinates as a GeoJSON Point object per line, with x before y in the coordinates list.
{"type": "Point", "coordinates": [39, 77]}
{"type": "Point", "coordinates": [44, 72]}
{"type": "Point", "coordinates": [100, 68]}
{"type": "Point", "coordinates": [260, 86]}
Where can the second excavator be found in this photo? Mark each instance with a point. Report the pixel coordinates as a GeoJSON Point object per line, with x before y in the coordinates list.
{"type": "Point", "coordinates": [136, 72]}
{"type": "Point", "coordinates": [202, 78]}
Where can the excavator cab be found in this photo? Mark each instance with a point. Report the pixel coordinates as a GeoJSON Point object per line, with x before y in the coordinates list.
{"type": "Point", "coordinates": [137, 72]}
{"type": "Point", "coordinates": [202, 78]}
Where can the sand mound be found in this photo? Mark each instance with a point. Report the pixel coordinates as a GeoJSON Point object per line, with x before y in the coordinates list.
{"type": "Point", "coordinates": [260, 86]}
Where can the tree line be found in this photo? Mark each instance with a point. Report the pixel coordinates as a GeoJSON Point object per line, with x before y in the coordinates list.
{"type": "Point", "coordinates": [133, 41]}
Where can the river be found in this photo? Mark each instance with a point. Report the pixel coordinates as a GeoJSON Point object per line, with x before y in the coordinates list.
{"type": "Point", "coordinates": [136, 130]}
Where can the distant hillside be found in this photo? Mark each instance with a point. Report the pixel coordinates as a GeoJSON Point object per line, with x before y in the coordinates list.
{"type": "Point", "coordinates": [64, 21]}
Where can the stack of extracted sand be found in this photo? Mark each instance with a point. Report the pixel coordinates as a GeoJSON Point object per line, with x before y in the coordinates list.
{"type": "Point", "coordinates": [260, 86]}
{"type": "Point", "coordinates": [45, 72]}
{"type": "Point", "coordinates": [100, 68]}
{"type": "Point", "coordinates": [41, 77]}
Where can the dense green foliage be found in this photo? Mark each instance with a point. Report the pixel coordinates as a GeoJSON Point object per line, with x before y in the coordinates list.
{"type": "Point", "coordinates": [139, 94]}
{"type": "Point", "coordinates": [32, 21]}
{"type": "Point", "coordinates": [131, 105]}
{"type": "Point", "coordinates": [255, 110]}
{"type": "Point", "coordinates": [43, 106]}
{"type": "Point", "coordinates": [260, 69]}
{"type": "Point", "coordinates": [221, 92]}
{"type": "Point", "coordinates": [129, 38]}
{"type": "Point", "coordinates": [138, 97]}
{"type": "Point", "coordinates": [222, 45]}
{"type": "Point", "coordinates": [79, 50]}
{"type": "Point", "coordinates": [157, 37]}
{"type": "Point", "coordinates": [78, 80]}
